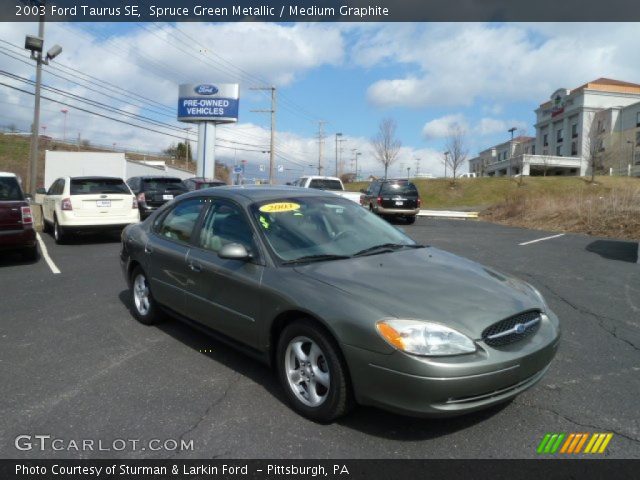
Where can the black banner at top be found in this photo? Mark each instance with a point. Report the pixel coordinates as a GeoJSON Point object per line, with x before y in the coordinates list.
{"type": "Point", "coordinates": [319, 10]}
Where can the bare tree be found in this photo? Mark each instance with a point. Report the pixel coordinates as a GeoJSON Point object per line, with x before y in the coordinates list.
{"type": "Point", "coordinates": [385, 144]}
{"type": "Point", "coordinates": [457, 149]}
{"type": "Point", "coordinates": [593, 145]}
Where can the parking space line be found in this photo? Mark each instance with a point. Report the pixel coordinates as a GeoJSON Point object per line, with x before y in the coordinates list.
{"type": "Point", "coordinates": [45, 253]}
{"type": "Point", "coordinates": [541, 239]}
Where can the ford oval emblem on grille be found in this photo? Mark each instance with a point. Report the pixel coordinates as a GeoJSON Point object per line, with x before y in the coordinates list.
{"type": "Point", "coordinates": [206, 90]}
{"type": "Point", "coordinates": [519, 328]}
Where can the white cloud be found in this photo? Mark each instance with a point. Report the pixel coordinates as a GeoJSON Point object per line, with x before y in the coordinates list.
{"type": "Point", "coordinates": [441, 127]}
{"type": "Point", "coordinates": [490, 126]}
{"type": "Point", "coordinates": [456, 64]}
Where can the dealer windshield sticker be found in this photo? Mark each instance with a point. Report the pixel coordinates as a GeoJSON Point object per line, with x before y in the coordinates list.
{"type": "Point", "coordinates": [279, 207]}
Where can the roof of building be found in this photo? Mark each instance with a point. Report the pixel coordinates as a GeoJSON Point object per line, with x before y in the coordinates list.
{"type": "Point", "coordinates": [604, 85]}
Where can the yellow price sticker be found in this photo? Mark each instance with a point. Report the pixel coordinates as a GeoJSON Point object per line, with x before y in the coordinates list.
{"type": "Point", "coordinates": [279, 207]}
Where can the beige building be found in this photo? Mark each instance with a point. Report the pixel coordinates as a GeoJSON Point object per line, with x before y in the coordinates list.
{"type": "Point", "coordinates": [598, 122]}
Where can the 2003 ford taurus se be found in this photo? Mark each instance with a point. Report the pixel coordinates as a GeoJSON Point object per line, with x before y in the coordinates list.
{"type": "Point", "coordinates": [345, 307]}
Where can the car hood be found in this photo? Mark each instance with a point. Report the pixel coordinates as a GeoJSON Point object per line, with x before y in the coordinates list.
{"type": "Point", "coordinates": [428, 284]}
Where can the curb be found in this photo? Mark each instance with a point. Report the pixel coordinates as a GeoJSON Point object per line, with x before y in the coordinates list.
{"type": "Point", "coordinates": [447, 214]}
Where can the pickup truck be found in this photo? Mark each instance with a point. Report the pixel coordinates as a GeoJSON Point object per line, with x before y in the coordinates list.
{"type": "Point", "coordinates": [330, 184]}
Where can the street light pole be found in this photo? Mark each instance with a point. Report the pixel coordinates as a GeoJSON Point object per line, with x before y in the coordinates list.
{"type": "Point", "coordinates": [446, 161]}
{"type": "Point", "coordinates": [64, 128]}
{"type": "Point", "coordinates": [35, 128]}
{"type": "Point", "coordinates": [408, 173]}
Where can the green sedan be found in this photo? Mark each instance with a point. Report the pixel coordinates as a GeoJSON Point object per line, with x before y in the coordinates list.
{"type": "Point", "coordinates": [345, 307]}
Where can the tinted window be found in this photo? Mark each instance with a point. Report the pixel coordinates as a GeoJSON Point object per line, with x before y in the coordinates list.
{"type": "Point", "coordinates": [302, 226]}
{"type": "Point", "coordinates": [404, 188]}
{"type": "Point", "coordinates": [89, 186]}
{"type": "Point", "coordinates": [325, 184]}
{"type": "Point", "coordinates": [10, 189]}
{"type": "Point", "coordinates": [163, 184]}
{"type": "Point", "coordinates": [179, 223]}
{"type": "Point", "coordinates": [224, 224]}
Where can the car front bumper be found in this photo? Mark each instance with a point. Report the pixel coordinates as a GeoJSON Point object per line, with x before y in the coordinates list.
{"type": "Point", "coordinates": [450, 386]}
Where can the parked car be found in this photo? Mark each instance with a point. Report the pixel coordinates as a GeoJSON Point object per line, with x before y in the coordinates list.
{"type": "Point", "coordinates": [329, 184]}
{"type": "Point", "coordinates": [198, 183]}
{"type": "Point", "coordinates": [16, 219]}
{"type": "Point", "coordinates": [392, 198]}
{"type": "Point", "coordinates": [154, 191]}
{"type": "Point", "coordinates": [343, 317]}
{"type": "Point", "coordinates": [81, 204]}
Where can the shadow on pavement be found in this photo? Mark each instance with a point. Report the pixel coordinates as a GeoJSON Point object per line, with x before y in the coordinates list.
{"type": "Point", "coordinates": [369, 420]}
{"type": "Point", "coordinates": [13, 259]}
{"type": "Point", "coordinates": [615, 250]}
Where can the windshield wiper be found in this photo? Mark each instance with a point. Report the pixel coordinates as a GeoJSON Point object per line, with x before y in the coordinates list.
{"type": "Point", "coordinates": [385, 247]}
{"type": "Point", "coordinates": [315, 258]}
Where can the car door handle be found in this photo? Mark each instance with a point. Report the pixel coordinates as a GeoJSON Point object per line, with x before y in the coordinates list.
{"type": "Point", "coordinates": [195, 267]}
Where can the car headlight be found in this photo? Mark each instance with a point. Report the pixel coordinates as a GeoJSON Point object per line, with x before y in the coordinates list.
{"type": "Point", "coordinates": [424, 338]}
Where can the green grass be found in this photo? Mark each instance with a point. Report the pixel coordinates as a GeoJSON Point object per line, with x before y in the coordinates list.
{"type": "Point", "coordinates": [481, 193]}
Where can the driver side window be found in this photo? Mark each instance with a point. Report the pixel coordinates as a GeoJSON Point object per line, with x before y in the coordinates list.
{"type": "Point", "coordinates": [225, 223]}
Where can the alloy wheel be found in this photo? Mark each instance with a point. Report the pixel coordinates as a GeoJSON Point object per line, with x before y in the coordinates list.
{"type": "Point", "coordinates": [307, 371]}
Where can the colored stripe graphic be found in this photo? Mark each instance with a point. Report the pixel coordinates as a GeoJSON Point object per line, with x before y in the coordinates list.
{"type": "Point", "coordinates": [572, 443]}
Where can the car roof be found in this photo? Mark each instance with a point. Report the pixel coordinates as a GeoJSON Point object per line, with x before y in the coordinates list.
{"type": "Point", "coordinates": [8, 174]}
{"type": "Point", "coordinates": [205, 180]}
{"type": "Point", "coordinates": [246, 194]}
{"type": "Point", "coordinates": [147, 177]}
{"type": "Point", "coordinates": [319, 177]}
{"type": "Point", "coordinates": [95, 177]}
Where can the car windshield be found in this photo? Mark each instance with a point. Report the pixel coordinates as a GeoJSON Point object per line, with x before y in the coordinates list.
{"type": "Point", "coordinates": [404, 188]}
{"type": "Point", "coordinates": [89, 186]}
{"type": "Point", "coordinates": [163, 184]}
{"type": "Point", "coordinates": [9, 189]}
{"type": "Point", "coordinates": [321, 228]}
{"type": "Point", "coordinates": [325, 184]}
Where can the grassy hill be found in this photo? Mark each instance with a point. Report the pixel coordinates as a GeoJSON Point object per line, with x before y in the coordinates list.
{"type": "Point", "coordinates": [609, 207]}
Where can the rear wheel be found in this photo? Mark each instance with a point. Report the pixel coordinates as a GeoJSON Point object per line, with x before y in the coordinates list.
{"type": "Point", "coordinates": [145, 308]}
{"type": "Point", "coordinates": [59, 234]}
{"type": "Point", "coordinates": [30, 254]}
{"type": "Point", "coordinates": [312, 372]}
{"type": "Point", "coordinates": [46, 227]}
{"type": "Point", "coordinates": [411, 219]}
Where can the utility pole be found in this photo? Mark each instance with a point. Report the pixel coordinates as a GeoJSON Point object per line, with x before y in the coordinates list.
{"type": "Point", "coordinates": [446, 161]}
{"type": "Point", "coordinates": [272, 147]}
{"type": "Point", "coordinates": [35, 128]}
{"type": "Point", "coordinates": [417, 166]}
{"type": "Point", "coordinates": [320, 143]}
{"type": "Point", "coordinates": [340, 160]}
{"type": "Point", "coordinates": [337, 135]}
{"type": "Point", "coordinates": [357, 154]}
{"type": "Point", "coordinates": [186, 148]}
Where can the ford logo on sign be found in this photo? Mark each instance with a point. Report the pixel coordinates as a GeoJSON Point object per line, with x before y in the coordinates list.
{"type": "Point", "coordinates": [206, 90]}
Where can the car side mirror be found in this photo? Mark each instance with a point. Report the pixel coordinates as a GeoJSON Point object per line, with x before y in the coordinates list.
{"type": "Point", "coordinates": [234, 251]}
{"type": "Point", "coordinates": [41, 191]}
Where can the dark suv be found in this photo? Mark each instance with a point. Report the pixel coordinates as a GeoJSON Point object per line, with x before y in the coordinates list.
{"type": "Point", "coordinates": [16, 220]}
{"type": "Point", "coordinates": [154, 191]}
{"type": "Point", "coordinates": [393, 198]}
{"type": "Point", "coordinates": [198, 183]}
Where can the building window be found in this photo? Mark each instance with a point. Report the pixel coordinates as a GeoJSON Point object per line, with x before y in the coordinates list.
{"type": "Point", "coordinates": [559, 135]}
{"type": "Point", "coordinates": [574, 149]}
{"type": "Point", "coordinates": [574, 130]}
{"type": "Point", "coordinates": [545, 140]}
{"type": "Point", "coordinates": [559, 151]}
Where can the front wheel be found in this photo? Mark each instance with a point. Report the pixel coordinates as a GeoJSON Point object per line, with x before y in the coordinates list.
{"type": "Point", "coordinates": [312, 372]}
{"type": "Point", "coordinates": [145, 308]}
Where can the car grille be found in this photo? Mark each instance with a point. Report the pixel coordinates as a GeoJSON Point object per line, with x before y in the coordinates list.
{"type": "Point", "coordinates": [512, 329]}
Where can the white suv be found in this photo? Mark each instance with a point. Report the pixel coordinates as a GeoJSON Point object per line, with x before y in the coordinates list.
{"type": "Point", "coordinates": [88, 203]}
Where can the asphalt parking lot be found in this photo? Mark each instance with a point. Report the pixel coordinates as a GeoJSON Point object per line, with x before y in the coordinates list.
{"type": "Point", "coordinates": [74, 363]}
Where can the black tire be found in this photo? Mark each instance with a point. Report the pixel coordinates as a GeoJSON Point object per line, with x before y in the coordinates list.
{"type": "Point", "coordinates": [46, 227]}
{"type": "Point", "coordinates": [30, 254]}
{"type": "Point", "coordinates": [338, 397]}
{"type": "Point", "coordinates": [151, 315]}
{"type": "Point", "coordinates": [59, 234]}
{"type": "Point", "coordinates": [411, 220]}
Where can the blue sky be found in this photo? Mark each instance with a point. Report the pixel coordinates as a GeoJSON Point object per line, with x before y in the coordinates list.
{"type": "Point", "coordinates": [484, 77]}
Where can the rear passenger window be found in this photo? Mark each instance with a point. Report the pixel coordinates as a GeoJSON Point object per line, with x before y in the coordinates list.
{"type": "Point", "coordinates": [179, 223]}
{"type": "Point", "coordinates": [10, 189]}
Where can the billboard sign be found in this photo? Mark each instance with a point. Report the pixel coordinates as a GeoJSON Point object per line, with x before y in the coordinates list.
{"type": "Point", "coordinates": [207, 102]}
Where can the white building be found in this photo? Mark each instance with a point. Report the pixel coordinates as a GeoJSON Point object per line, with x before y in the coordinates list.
{"type": "Point", "coordinates": [600, 118]}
